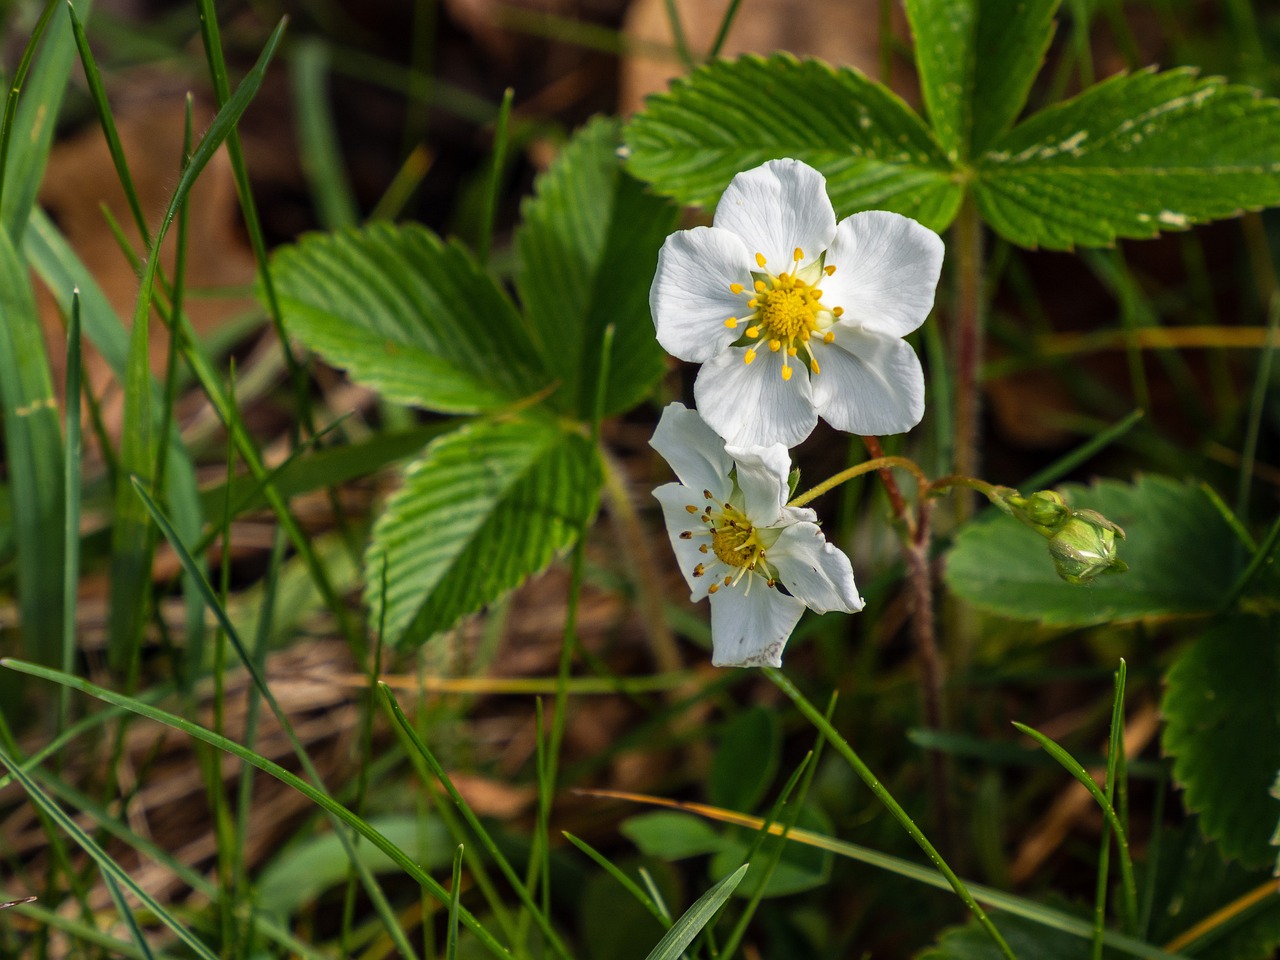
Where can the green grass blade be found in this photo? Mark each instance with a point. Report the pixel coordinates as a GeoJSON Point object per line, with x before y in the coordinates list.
{"type": "Point", "coordinates": [15, 87]}
{"type": "Point", "coordinates": [1114, 768]}
{"type": "Point", "coordinates": [71, 497]}
{"type": "Point", "coordinates": [499, 163]}
{"type": "Point", "coordinates": [1257, 402]}
{"type": "Point", "coordinates": [316, 795]}
{"type": "Point", "coordinates": [455, 901]}
{"type": "Point", "coordinates": [321, 150]}
{"type": "Point", "coordinates": [1073, 767]}
{"type": "Point", "coordinates": [130, 921]}
{"type": "Point", "coordinates": [1095, 444]}
{"type": "Point", "coordinates": [109, 867]}
{"type": "Point", "coordinates": [33, 457]}
{"type": "Point", "coordinates": [626, 882]}
{"type": "Point", "coordinates": [696, 917]}
{"type": "Point", "coordinates": [438, 771]}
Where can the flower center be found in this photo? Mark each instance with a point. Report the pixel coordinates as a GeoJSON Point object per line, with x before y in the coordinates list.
{"type": "Point", "coordinates": [787, 312]}
{"type": "Point", "coordinates": [731, 540]}
{"type": "Point", "coordinates": [735, 542]}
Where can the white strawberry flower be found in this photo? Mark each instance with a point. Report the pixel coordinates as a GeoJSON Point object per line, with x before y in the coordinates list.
{"type": "Point", "coordinates": [795, 316]}
{"type": "Point", "coordinates": [760, 561]}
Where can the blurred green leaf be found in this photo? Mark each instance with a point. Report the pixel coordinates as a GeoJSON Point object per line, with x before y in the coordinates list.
{"type": "Point", "coordinates": [587, 249]}
{"type": "Point", "coordinates": [732, 115]}
{"type": "Point", "coordinates": [1130, 157]}
{"type": "Point", "coordinates": [977, 59]}
{"type": "Point", "coordinates": [1223, 732]}
{"type": "Point", "coordinates": [670, 835]}
{"type": "Point", "coordinates": [413, 317]}
{"type": "Point", "coordinates": [1028, 940]}
{"type": "Point", "coordinates": [800, 867]}
{"type": "Point", "coordinates": [485, 507]}
{"type": "Point", "coordinates": [615, 926]}
{"type": "Point", "coordinates": [1181, 554]}
{"type": "Point", "coordinates": [746, 760]}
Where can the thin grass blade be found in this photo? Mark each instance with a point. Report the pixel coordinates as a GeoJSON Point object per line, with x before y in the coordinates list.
{"type": "Point", "coordinates": [696, 917]}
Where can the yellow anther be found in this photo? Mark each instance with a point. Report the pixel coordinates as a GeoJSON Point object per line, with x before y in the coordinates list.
{"type": "Point", "coordinates": [798, 255]}
{"type": "Point", "coordinates": [786, 373]}
{"type": "Point", "coordinates": [837, 311]}
{"type": "Point", "coordinates": [791, 351]}
{"type": "Point", "coordinates": [686, 534]}
{"type": "Point", "coordinates": [828, 337]}
{"type": "Point", "coordinates": [736, 288]}
{"type": "Point", "coordinates": [753, 303]}
{"type": "Point", "coordinates": [775, 345]}
{"type": "Point", "coordinates": [728, 580]}
{"type": "Point", "coordinates": [815, 294]}
{"type": "Point", "coordinates": [702, 548]}
{"type": "Point", "coordinates": [691, 508]}
{"type": "Point", "coordinates": [748, 356]}
{"type": "Point", "coordinates": [713, 588]}
{"type": "Point", "coordinates": [699, 570]}
{"type": "Point", "coordinates": [760, 286]}
{"type": "Point", "coordinates": [706, 494]}
{"type": "Point", "coordinates": [731, 322]}
{"type": "Point", "coordinates": [760, 260]}
{"type": "Point", "coordinates": [804, 335]}
{"type": "Point", "coordinates": [753, 331]}
{"type": "Point", "coordinates": [829, 269]}
{"type": "Point", "coordinates": [813, 365]}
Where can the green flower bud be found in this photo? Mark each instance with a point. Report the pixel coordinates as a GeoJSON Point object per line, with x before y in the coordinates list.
{"type": "Point", "coordinates": [1085, 547]}
{"type": "Point", "coordinates": [1045, 511]}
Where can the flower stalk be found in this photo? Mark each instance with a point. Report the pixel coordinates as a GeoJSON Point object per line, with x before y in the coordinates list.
{"type": "Point", "coordinates": [967, 338]}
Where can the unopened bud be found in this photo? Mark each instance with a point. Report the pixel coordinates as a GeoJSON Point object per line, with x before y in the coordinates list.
{"type": "Point", "coordinates": [1044, 511]}
{"type": "Point", "coordinates": [1085, 547]}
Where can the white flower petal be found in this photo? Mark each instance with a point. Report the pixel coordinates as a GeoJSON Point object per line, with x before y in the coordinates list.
{"type": "Point", "coordinates": [674, 497]}
{"type": "Point", "coordinates": [870, 383]}
{"type": "Point", "coordinates": [690, 297]}
{"type": "Point", "coordinates": [762, 477]}
{"type": "Point", "coordinates": [750, 404]}
{"type": "Point", "coordinates": [777, 207]}
{"type": "Point", "coordinates": [887, 268]}
{"type": "Point", "coordinates": [814, 571]}
{"type": "Point", "coordinates": [749, 628]}
{"type": "Point", "coordinates": [695, 451]}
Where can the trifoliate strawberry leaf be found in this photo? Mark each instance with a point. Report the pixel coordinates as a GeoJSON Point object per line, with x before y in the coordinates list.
{"type": "Point", "coordinates": [732, 115]}
{"type": "Point", "coordinates": [1181, 554]}
{"type": "Point", "coordinates": [586, 250]}
{"type": "Point", "coordinates": [413, 317]}
{"type": "Point", "coordinates": [977, 60]}
{"type": "Point", "coordinates": [1129, 157]}
{"type": "Point", "coordinates": [484, 508]}
{"type": "Point", "coordinates": [1222, 713]}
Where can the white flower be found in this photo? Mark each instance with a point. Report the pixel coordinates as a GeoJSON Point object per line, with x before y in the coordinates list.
{"type": "Point", "coordinates": [775, 285]}
{"type": "Point", "coordinates": [736, 540]}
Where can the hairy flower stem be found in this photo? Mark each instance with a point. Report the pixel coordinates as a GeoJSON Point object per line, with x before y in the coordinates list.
{"type": "Point", "coordinates": [967, 339]}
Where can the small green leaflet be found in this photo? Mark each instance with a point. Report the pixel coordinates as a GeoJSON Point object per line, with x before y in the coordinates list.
{"type": "Point", "coordinates": [1223, 731]}
{"type": "Point", "coordinates": [729, 116]}
{"type": "Point", "coordinates": [485, 507]}
{"type": "Point", "coordinates": [413, 317]}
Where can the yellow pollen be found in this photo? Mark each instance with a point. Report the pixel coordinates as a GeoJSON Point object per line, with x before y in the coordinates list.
{"type": "Point", "coordinates": [760, 286]}
{"type": "Point", "coordinates": [813, 365]}
{"type": "Point", "coordinates": [838, 311]}
{"type": "Point", "coordinates": [804, 335]}
{"type": "Point", "coordinates": [728, 580]}
{"type": "Point", "coordinates": [798, 255]}
{"type": "Point", "coordinates": [753, 331]}
{"type": "Point", "coordinates": [791, 351]}
{"type": "Point", "coordinates": [828, 337]}
{"type": "Point", "coordinates": [713, 588]}
{"type": "Point", "coordinates": [686, 534]}
{"type": "Point", "coordinates": [731, 322]}
{"type": "Point", "coordinates": [786, 373]}
{"type": "Point", "coordinates": [699, 570]}
{"type": "Point", "coordinates": [702, 548]}
{"type": "Point", "coordinates": [760, 260]}
{"type": "Point", "coordinates": [775, 345]}
{"type": "Point", "coordinates": [749, 356]}
{"type": "Point", "coordinates": [829, 269]}
{"type": "Point", "coordinates": [691, 508]}
{"type": "Point", "coordinates": [787, 311]}
{"type": "Point", "coordinates": [735, 544]}
{"type": "Point", "coordinates": [736, 288]}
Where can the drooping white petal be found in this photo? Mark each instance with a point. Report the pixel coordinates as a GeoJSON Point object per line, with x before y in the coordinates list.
{"type": "Point", "coordinates": [750, 404]}
{"type": "Point", "coordinates": [777, 207]}
{"type": "Point", "coordinates": [749, 628]}
{"type": "Point", "coordinates": [674, 497]}
{"type": "Point", "coordinates": [814, 571]}
{"type": "Point", "coordinates": [762, 476]}
{"type": "Point", "coordinates": [694, 451]}
{"type": "Point", "coordinates": [887, 268]}
{"type": "Point", "coordinates": [871, 383]}
{"type": "Point", "coordinates": [690, 297]}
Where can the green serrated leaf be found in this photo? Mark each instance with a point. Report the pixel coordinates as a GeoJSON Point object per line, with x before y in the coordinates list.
{"type": "Point", "coordinates": [1223, 731]}
{"type": "Point", "coordinates": [413, 317]}
{"type": "Point", "coordinates": [587, 248]}
{"type": "Point", "coordinates": [485, 507]}
{"type": "Point", "coordinates": [732, 115]}
{"type": "Point", "coordinates": [1181, 554]}
{"type": "Point", "coordinates": [1130, 157]}
{"type": "Point", "coordinates": [977, 59]}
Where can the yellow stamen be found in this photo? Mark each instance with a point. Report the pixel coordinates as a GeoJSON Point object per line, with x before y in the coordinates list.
{"type": "Point", "coordinates": [798, 255]}
{"type": "Point", "coordinates": [749, 356]}
{"type": "Point", "coordinates": [731, 322]}
{"type": "Point", "coordinates": [753, 303]}
{"type": "Point", "coordinates": [813, 365]}
{"type": "Point", "coordinates": [829, 269]}
{"type": "Point", "coordinates": [775, 345]}
{"type": "Point", "coordinates": [753, 331]}
{"type": "Point", "coordinates": [786, 373]}
{"type": "Point", "coordinates": [838, 311]}
{"type": "Point", "coordinates": [691, 508]}
{"type": "Point", "coordinates": [728, 580]}
{"type": "Point", "coordinates": [713, 588]}
{"type": "Point", "coordinates": [760, 260]}
{"type": "Point", "coordinates": [699, 570]}
{"type": "Point", "coordinates": [686, 534]}
{"type": "Point", "coordinates": [828, 337]}
{"type": "Point", "coordinates": [736, 288]}
{"type": "Point", "coordinates": [702, 548]}
{"type": "Point", "coordinates": [791, 351]}
{"type": "Point", "coordinates": [760, 286]}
